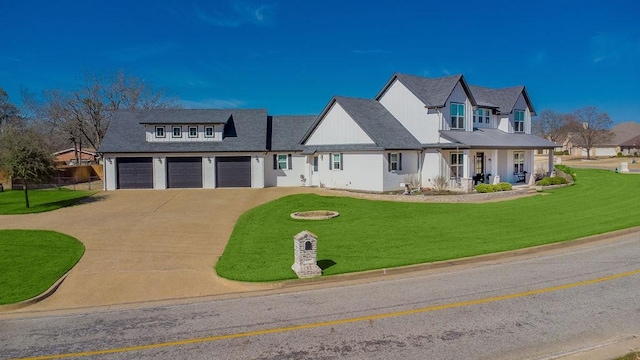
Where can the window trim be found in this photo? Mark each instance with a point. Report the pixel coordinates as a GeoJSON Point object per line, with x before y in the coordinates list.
{"type": "Point", "coordinates": [519, 156]}
{"type": "Point", "coordinates": [333, 162]}
{"type": "Point", "coordinates": [520, 128]}
{"type": "Point", "coordinates": [196, 134]}
{"type": "Point", "coordinates": [173, 132]}
{"type": "Point", "coordinates": [279, 161]}
{"type": "Point", "coordinates": [164, 133]}
{"type": "Point", "coordinates": [459, 117]}
{"type": "Point", "coordinates": [459, 164]}
{"type": "Point", "coordinates": [213, 132]}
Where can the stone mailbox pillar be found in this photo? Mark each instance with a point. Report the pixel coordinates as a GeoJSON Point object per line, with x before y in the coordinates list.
{"type": "Point", "coordinates": [305, 247]}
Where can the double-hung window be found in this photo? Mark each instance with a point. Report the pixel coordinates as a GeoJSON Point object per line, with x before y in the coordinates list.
{"type": "Point", "coordinates": [457, 116]}
{"type": "Point", "coordinates": [193, 132]}
{"type": "Point", "coordinates": [283, 162]}
{"type": "Point", "coordinates": [393, 162]}
{"type": "Point", "coordinates": [159, 131]}
{"type": "Point", "coordinates": [518, 121]}
{"type": "Point", "coordinates": [457, 163]}
{"type": "Point", "coordinates": [208, 131]}
{"type": "Point", "coordinates": [176, 131]}
{"type": "Point", "coordinates": [335, 161]}
{"type": "Point", "coordinates": [518, 162]}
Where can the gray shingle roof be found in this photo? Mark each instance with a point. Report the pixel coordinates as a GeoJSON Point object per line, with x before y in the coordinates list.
{"type": "Point", "coordinates": [287, 130]}
{"type": "Point", "coordinates": [375, 120]}
{"type": "Point", "coordinates": [433, 92]}
{"type": "Point", "coordinates": [624, 131]}
{"type": "Point", "coordinates": [184, 116]}
{"type": "Point", "coordinates": [503, 99]}
{"type": "Point", "coordinates": [245, 129]}
{"type": "Point", "coordinates": [494, 139]}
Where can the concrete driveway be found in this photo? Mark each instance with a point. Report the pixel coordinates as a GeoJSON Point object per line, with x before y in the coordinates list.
{"type": "Point", "coordinates": [145, 245]}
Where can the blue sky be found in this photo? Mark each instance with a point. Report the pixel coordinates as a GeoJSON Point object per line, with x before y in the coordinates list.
{"type": "Point", "coordinates": [292, 56]}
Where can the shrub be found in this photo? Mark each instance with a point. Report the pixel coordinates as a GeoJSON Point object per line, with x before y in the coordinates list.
{"type": "Point", "coordinates": [556, 180]}
{"type": "Point", "coordinates": [485, 188]}
{"type": "Point", "coordinates": [566, 170]}
{"type": "Point", "coordinates": [503, 186]}
{"type": "Point", "coordinates": [620, 154]}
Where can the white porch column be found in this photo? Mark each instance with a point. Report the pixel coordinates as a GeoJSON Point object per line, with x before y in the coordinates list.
{"type": "Point", "coordinates": [466, 164]}
{"type": "Point", "coordinates": [550, 161]}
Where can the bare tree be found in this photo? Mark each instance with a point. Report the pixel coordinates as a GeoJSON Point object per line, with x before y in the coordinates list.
{"type": "Point", "coordinates": [591, 127]}
{"type": "Point", "coordinates": [25, 156]}
{"type": "Point", "coordinates": [9, 113]}
{"type": "Point", "coordinates": [552, 125]}
{"type": "Point", "coordinates": [83, 115]}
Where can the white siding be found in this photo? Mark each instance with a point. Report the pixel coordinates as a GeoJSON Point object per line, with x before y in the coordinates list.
{"type": "Point", "coordinates": [337, 127]}
{"type": "Point", "coordinates": [393, 180]}
{"type": "Point", "coordinates": [257, 171]}
{"type": "Point", "coordinates": [168, 133]}
{"type": "Point", "coordinates": [208, 171]}
{"type": "Point", "coordinates": [458, 96]}
{"type": "Point", "coordinates": [411, 113]}
{"type": "Point", "coordinates": [505, 123]}
{"type": "Point", "coordinates": [521, 104]}
{"type": "Point", "coordinates": [361, 171]}
{"type": "Point", "coordinates": [432, 166]}
{"type": "Point", "coordinates": [289, 177]}
{"type": "Point", "coordinates": [110, 180]}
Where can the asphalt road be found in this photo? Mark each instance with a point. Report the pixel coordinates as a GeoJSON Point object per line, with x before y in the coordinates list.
{"type": "Point", "coordinates": [534, 308]}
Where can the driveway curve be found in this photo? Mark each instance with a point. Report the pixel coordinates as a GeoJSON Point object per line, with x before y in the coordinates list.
{"type": "Point", "coordinates": [145, 245]}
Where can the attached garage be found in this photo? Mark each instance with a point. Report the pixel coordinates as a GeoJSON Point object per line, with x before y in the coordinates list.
{"type": "Point", "coordinates": [233, 171]}
{"type": "Point", "coordinates": [135, 173]}
{"type": "Point", "coordinates": [184, 172]}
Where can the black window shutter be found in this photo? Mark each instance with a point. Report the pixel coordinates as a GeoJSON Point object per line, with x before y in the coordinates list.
{"type": "Point", "coordinates": [290, 162]}
{"type": "Point", "coordinates": [330, 161]}
{"type": "Point", "coordinates": [341, 161]}
{"type": "Point", "coordinates": [400, 161]}
{"type": "Point", "coordinates": [388, 161]}
{"type": "Point", "coordinates": [275, 162]}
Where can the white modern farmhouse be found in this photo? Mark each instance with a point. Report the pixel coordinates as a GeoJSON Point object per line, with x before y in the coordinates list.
{"type": "Point", "coordinates": [416, 130]}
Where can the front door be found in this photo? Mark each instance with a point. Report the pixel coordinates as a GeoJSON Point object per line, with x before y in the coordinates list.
{"type": "Point", "coordinates": [480, 175]}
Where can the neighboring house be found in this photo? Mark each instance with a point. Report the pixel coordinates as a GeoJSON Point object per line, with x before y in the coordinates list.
{"type": "Point", "coordinates": [68, 156]}
{"type": "Point", "coordinates": [415, 131]}
{"type": "Point", "coordinates": [631, 146]}
{"type": "Point", "coordinates": [621, 133]}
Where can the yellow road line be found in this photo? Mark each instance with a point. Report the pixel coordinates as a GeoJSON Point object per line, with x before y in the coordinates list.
{"type": "Point", "coordinates": [338, 322]}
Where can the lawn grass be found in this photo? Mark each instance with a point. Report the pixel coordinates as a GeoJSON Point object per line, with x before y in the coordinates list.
{"type": "Point", "coordinates": [12, 201]}
{"type": "Point", "coordinates": [32, 260]}
{"type": "Point", "coordinates": [380, 234]}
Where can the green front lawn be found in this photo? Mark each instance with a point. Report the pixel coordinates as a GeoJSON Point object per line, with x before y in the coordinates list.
{"type": "Point", "coordinates": [379, 234]}
{"type": "Point", "coordinates": [32, 260]}
{"type": "Point", "coordinates": [12, 201]}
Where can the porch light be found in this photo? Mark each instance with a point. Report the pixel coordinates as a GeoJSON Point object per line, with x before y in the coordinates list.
{"type": "Point", "coordinates": [160, 160]}
{"type": "Point", "coordinates": [110, 160]}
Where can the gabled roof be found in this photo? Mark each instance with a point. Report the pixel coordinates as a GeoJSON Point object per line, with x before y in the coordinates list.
{"type": "Point", "coordinates": [287, 130]}
{"type": "Point", "coordinates": [495, 139]}
{"type": "Point", "coordinates": [433, 92]}
{"type": "Point", "coordinates": [375, 120]}
{"type": "Point", "coordinates": [89, 152]}
{"type": "Point", "coordinates": [625, 131]}
{"type": "Point", "coordinates": [245, 130]}
{"type": "Point", "coordinates": [634, 143]}
{"type": "Point", "coordinates": [503, 99]}
{"type": "Point", "coordinates": [184, 116]}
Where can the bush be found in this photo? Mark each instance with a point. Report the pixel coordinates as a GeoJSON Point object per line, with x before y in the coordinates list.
{"type": "Point", "coordinates": [485, 188]}
{"type": "Point", "coordinates": [488, 188]}
{"type": "Point", "coordinates": [620, 154]}
{"type": "Point", "coordinates": [567, 170]}
{"type": "Point", "coordinates": [548, 181]}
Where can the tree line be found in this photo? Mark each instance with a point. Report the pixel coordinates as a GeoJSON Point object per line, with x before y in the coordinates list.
{"type": "Point", "coordinates": [587, 127]}
{"type": "Point", "coordinates": [77, 118]}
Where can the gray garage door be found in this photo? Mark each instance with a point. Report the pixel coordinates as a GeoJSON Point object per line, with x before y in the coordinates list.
{"type": "Point", "coordinates": [183, 172]}
{"type": "Point", "coordinates": [135, 173]}
{"type": "Point", "coordinates": [233, 171]}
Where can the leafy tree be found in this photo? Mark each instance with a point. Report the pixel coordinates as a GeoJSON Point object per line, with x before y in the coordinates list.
{"type": "Point", "coordinates": [591, 127]}
{"type": "Point", "coordinates": [25, 156]}
{"type": "Point", "coordinates": [83, 114]}
{"type": "Point", "coordinates": [552, 125]}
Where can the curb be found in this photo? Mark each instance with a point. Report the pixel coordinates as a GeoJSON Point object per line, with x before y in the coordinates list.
{"type": "Point", "coordinates": [19, 305]}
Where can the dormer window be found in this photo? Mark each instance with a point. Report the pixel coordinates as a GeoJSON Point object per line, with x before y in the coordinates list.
{"type": "Point", "coordinates": [518, 121]}
{"type": "Point", "coordinates": [177, 132]}
{"type": "Point", "coordinates": [481, 116]}
{"type": "Point", "coordinates": [208, 131]}
{"type": "Point", "coordinates": [457, 116]}
{"type": "Point", "coordinates": [193, 131]}
{"type": "Point", "coordinates": [159, 131]}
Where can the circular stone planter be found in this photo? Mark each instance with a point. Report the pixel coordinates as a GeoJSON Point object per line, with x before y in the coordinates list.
{"type": "Point", "coordinates": [315, 215]}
